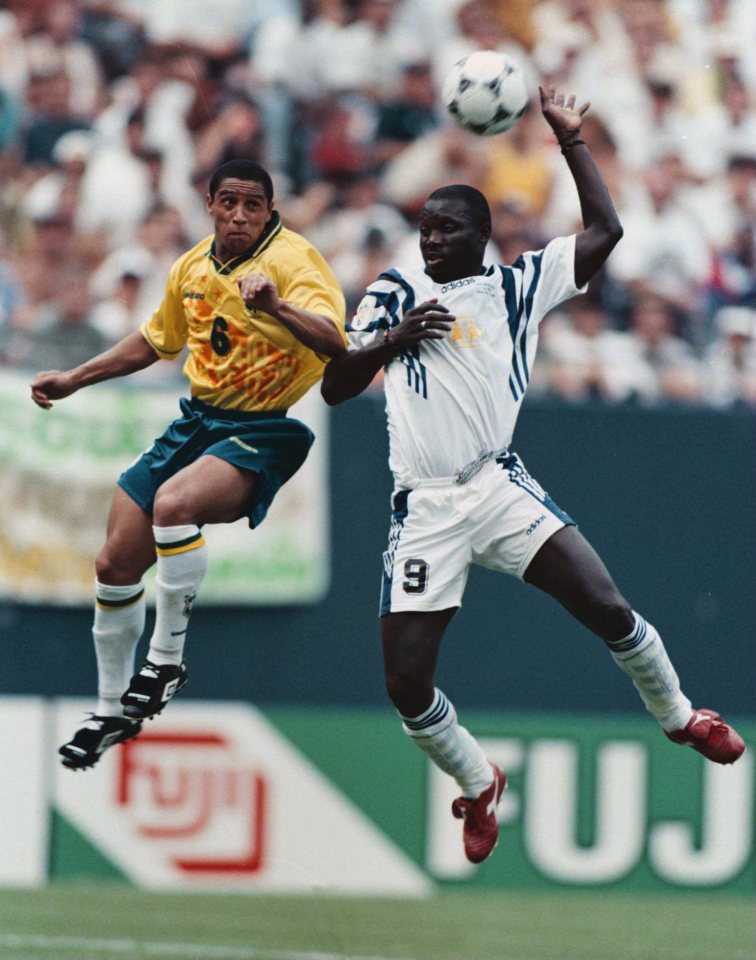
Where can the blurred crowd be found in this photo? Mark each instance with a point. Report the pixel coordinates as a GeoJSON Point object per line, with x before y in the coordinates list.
{"type": "Point", "coordinates": [114, 112]}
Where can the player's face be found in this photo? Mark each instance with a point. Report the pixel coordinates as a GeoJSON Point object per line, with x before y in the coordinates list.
{"type": "Point", "coordinates": [240, 212]}
{"type": "Point", "coordinates": [451, 242]}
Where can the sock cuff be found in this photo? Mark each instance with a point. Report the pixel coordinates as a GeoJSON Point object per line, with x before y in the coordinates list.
{"type": "Point", "coordinates": [439, 715]}
{"type": "Point", "coordinates": [641, 635]}
{"type": "Point", "coordinates": [179, 539]}
{"type": "Point", "coordinates": [109, 597]}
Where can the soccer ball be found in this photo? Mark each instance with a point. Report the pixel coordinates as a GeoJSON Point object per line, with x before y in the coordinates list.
{"type": "Point", "coordinates": [485, 92]}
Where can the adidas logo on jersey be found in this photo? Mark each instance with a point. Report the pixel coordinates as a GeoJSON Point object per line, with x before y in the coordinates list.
{"type": "Point", "coordinates": [457, 283]}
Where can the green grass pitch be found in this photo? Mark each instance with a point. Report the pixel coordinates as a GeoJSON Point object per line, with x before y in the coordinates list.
{"type": "Point", "coordinates": [111, 922]}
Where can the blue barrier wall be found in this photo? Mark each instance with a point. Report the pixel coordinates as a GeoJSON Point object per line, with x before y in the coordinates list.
{"type": "Point", "coordinates": [664, 495]}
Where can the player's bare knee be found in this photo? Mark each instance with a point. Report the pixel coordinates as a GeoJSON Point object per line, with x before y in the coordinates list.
{"type": "Point", "coordinates": [409, 693]}
{"type": "Point", "coordinates": [114, 570]}
{"type": "Point", "coordinates": [171, 507]}
{"type": "Point", "coordinates": [614, 617]}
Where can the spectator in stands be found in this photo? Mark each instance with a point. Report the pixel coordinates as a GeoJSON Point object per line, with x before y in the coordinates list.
{"type": "Point", "coordinates": [58, 191]}
{"type": "Point", "coordinates": [51, 116]}
{"type": "Point", "coordinates": [159, 242]}
{"type": "Point", "coordinates": [12, 303]}
{"type": "Point", "coordinates": [60, 334]}
{"type": "Point", "coordinates": [730, 361]}
{"type": "Point", "coordinates": [410, 114]}
{"type": "Point", "coordinates": [480, 26]}
{"type": "Point", "coordinates": [520, 166]}
{"type": "Point", "coordinates": [58, 46]}
{"type": "Point", "coordinates": [446, 155]}
{"type": "Point", "coordinates": [664, 250]}
{"type": "Point", "coordinates": [115, 28]}
{"type": "Point", "coordinates": [732, 281]}
{"type": "Point", "coordinates": [671, 369]}
{"type": "Point", "coordinates": [119, 187]}
{"type": "Point", "coordinates": [587, 360]}
{"type": "Point", "coordinates": [120, 314]}
{"type": "Point", "coordinates": [235, 133]}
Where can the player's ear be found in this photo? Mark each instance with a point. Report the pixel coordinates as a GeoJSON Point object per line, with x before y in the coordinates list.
{"type": "Point", "coordinates": [484, 232]}
{"type": "Point", "coordinates": [209, 203]}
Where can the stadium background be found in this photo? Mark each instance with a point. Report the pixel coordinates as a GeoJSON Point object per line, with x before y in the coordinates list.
{"type": "Point", "coordinates": [111, 115]}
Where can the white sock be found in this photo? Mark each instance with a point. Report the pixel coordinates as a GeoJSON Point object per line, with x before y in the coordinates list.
{"type": "Point", "coordinates": [642, 656]}
{"type": "Point", "coordinates": [451, 747]}
{"type": "Point", "coordinates": [118, 625]}
{"type": "Point", "coordinates": [181, 568]}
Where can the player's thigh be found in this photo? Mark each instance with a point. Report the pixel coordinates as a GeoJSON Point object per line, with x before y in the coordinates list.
{"type": "Point", "coordinates": [129, 549]}
{"type": "Point", "coordinates": [569, 569]}
{"type": "Point", "coordinates": [427, 561]}
{"type": "Point", "coordinates": [513, 518]}
{"type": "Point", "coordinates": [411, 641]}
{"type": "Point", "coordinates": [210, 490]}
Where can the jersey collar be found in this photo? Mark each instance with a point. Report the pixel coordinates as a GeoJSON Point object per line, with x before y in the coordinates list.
{"type": "Point", "coordinates": [484, 271]}
{"type": "Point", "coordinates": [272, 228]}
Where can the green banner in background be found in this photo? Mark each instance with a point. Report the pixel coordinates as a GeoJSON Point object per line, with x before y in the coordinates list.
{"type": "Point", "coordinates": [592, 802]}
{"type": "Point", "coordinates": [59, 473]}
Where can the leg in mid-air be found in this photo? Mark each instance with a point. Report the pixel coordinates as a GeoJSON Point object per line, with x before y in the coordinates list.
{"type": "Point", "coordinates": [411, 642]}
{"type": "Point", "coordinates": [134, 539]}
{"type": "Point", "coordinates": [120, 609]}
{"type": "Point", "coordinates": [570, 570]}
{"type": "Point", "coordinates": [210, 490]}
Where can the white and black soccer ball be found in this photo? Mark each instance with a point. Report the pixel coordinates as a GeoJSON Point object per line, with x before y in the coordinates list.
{"type": "Point", "coordinates": [485, 92]}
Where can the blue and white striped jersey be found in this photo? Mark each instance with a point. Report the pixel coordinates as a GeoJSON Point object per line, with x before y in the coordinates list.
{"type": "Point", "coordinates": [448, 401]}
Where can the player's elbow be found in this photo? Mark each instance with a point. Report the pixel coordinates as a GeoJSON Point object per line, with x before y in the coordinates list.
{"type": "Point", "coordinates": [329, 390]}
{"type": "Point", "coordinates": [615, 232]}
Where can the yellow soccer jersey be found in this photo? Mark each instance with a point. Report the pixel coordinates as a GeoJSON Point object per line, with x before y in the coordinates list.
{"type": "Point", "coordinates": [242, 359]}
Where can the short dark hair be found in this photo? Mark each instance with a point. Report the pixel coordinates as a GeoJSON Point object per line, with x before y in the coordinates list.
{"type": "Point", "coordinates": [241, 170]}
{"type": "Point", "coordinates": [473, 199]}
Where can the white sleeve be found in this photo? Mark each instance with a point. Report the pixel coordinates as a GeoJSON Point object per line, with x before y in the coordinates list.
{"type": "Point", "coordinates": [548, 277]}
{"type": "Point", "coordinates": [380, 309]}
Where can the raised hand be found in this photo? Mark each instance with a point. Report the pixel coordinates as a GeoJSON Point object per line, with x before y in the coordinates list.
{"type": "Point", "coordinates": [561, 117]}
{"type": "Point", "coordinates": [427, 321]}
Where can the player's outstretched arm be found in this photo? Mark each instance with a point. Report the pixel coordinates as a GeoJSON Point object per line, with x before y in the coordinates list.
{"type": "Point", "coordinates": [602, 227]}
{"type": "Point", "coordinates": [347, 375]}
{"type": "Point", "coordinates": [127, 356]}
{"type": "Point", "coordinates": [315, 331]}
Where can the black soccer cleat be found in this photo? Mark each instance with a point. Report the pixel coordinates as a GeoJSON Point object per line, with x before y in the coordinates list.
{"type": "Point", "coordinates": [151, 689]}
{"type": "Point", "coordinates": [94, 737]}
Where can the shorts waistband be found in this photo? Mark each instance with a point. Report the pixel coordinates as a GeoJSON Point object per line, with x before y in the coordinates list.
{"type": "Point", "coordinates": [466, 473]}
{"type": "Point", "coordinates": [240, 416]}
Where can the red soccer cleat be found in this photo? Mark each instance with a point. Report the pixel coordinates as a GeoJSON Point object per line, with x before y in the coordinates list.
{"type": "Point", "coordinates": [707, 732]}
{"type": "Point", "coordinates": [481, 830]}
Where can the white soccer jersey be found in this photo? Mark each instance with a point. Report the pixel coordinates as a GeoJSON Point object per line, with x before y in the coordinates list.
{"type": "Point", "coordinates": [450, 401]}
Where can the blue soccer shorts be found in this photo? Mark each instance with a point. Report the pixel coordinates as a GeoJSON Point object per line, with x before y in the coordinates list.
{"type": "Point", "coordinates": [271, 445]}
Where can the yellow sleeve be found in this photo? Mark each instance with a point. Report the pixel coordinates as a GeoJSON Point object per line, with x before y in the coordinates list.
{"type": "Point", "coordinates": [166, 330]}
{"type": "Point", "coordinates": [312, 286]}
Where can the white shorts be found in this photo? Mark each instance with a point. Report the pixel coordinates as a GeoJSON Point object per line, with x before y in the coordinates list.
{"type": "Point", "coordinates": [499, 519]}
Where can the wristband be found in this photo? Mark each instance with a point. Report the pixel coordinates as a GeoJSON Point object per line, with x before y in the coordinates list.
{"type": "Point", "coordinates": [568, 145]}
